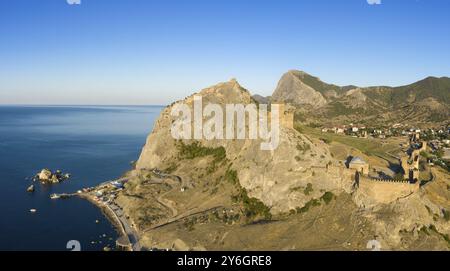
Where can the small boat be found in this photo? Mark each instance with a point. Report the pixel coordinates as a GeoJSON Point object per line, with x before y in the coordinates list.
{"type": "Point", "coordinates": [55, 196]}
{"type": "Point", "coordinates": [33, 210]}
{"type": "Point", "coordinates": [30, 189]}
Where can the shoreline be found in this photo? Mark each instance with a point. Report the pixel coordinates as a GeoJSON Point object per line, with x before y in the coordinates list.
{"type": "Point", "coordinates": [127, 240]}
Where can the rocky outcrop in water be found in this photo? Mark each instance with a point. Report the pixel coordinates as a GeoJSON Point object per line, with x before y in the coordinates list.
{"type": "Point", "coordinates": [47, 176]}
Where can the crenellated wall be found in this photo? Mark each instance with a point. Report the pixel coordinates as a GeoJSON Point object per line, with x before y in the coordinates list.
{"type": "Point", "coordinates": [370, 191]}
{"type": "Point", "coordinates": [375, 190]}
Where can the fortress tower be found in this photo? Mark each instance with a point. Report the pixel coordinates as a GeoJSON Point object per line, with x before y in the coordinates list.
{"type": "Point", "coordinates": [415, 137]}
{"type": "Point", "coordinates": [424, 146]}
{"type": "Point", "coordinates": [286, 116]}
{"type": "Point", "coordinates": [410, 166]}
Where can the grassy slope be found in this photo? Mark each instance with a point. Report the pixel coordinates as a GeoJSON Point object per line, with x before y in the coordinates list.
{"type": "Point", "coordinates": [371, 147]}
{"type": "Point", "coordinates": [438, 88]}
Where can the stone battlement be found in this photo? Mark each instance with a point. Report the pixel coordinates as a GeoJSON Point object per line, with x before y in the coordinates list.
{"type": "Point", "coordinates": [372, 190]}
{"type": "Point", "coordinates": [378, 190]}
{"type": "Point", "coordinates": [387, 180]}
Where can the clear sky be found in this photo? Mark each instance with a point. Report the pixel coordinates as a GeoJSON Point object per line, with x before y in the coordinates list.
{"type": "Point", "coordinates": [155, 52]}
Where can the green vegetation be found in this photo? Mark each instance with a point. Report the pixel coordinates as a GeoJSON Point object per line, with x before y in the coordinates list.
{"type": "Point", "coordinates": [231, 176]}
{"type": "Point", "coordinates": [327, 197]}
{"type": "Point", "coordinates": [339, 109]}
{"type": "Point", "coordinates": [171, 168]}
{"type": "Point", "coordinates": [308, 205]}
{"type": "Point", "coordinates": [320, 86]}
{"type": "Point", "coordinates": [195, 150]}
{"type": "Point", "coordinates": [190, 223]}
{"type": "Point", "coordinates": [299, 116]}
{"type": "Point", "coordinates": [428, 87]}
{"type": "Point", "coordinates": [223, 217]}
{"type": "Point", "coordinates": [424, 154]}
{"type": "Point", "coordinates": [437, 117]}
{"type": "Point", "coordinates": [398, 176]}
{"type": "Point", "coordinates": [326, 140]}
{"type": "Point", "coordinates": [314, 125]}
{"type": "Point", "coordinates": [446, 215]}
{"type": "Point", "coordinates": [367, 146]}
{"type": "Point", "coordinates": [303, 147]}
{"type": "Point", "coordinates": [446, 238]}
{"type": "Point", "coordinates": [424, 230]}
{"type": "Point", "coordinates": [230, 219]}
{"type": "Point", "coordinates": [214, 190]}
{"type": "Point", "coordinates": [253, 208]}
{"type": "Point", "coordinates": [308, 189]}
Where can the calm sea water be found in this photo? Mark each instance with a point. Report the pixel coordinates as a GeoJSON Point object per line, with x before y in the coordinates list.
{"type": "Point", "coordinates": [93, 143]}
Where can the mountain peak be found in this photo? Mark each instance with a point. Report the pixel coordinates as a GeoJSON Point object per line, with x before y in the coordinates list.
{"type": "Point", "coordinates": [299, 73]}
{"type": "Point", "coordinates": [235, 83]}
{"type": "Point", "coordinates": [295, 87]}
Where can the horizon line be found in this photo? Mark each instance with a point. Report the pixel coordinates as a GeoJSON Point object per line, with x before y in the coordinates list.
{"type": "Point", "coordinates": [61, 105]}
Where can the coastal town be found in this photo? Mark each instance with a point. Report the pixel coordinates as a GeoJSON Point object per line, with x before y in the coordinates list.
{"type": "Point", "coordinates": [436, 139]}
{"type": "Point", "coordinates": [104, 197]}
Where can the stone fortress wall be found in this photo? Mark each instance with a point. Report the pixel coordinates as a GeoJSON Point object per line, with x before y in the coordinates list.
{"type": "Point", "coordinates": [368, 190]}
{"type": "Point", "coordinates": [372, 190]}
{"type": "Point", "coordinates": [385, 190]}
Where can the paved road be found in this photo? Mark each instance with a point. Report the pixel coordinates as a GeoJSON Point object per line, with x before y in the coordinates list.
{"type": "Point", "coordinates": [130, 232]}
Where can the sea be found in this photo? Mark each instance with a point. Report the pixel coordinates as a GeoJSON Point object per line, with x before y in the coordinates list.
{"type": "Point", "coordinates": [92, 143]}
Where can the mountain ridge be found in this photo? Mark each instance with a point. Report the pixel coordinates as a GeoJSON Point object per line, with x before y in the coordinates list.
{"type": "Point", "coordinates": [429, 97]}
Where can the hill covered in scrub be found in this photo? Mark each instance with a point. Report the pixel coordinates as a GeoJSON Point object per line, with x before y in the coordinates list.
{"type": "Point", "coordinates": [231, 195]}
{"type": "Point", "coordinates": [425, 101]}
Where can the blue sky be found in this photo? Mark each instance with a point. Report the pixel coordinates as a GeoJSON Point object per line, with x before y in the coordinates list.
{"type": "Point", "coordinates": [155, 52]}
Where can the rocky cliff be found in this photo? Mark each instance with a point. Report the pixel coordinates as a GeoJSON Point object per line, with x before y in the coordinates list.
{"type": "Point", "coordinates": [292, 88]}
{"type": "Point", "coordinates": [277, 178]}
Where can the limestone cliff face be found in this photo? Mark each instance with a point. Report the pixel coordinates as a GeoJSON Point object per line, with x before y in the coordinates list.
{"type": "Point", "coordinates": [278, 177]}
{"type": "Point", "coordinates": [292, 89]}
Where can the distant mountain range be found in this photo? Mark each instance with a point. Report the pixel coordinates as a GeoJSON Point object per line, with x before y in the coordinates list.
{"type": "Point", "coordinates": [424, 102]}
